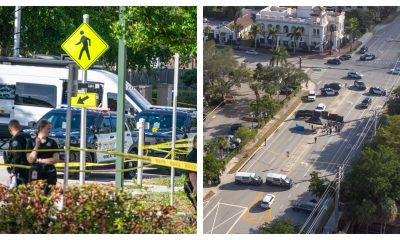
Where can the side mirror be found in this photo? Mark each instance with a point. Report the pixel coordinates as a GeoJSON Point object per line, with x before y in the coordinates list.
{"type": "Point", "coordinates": [31, 124]}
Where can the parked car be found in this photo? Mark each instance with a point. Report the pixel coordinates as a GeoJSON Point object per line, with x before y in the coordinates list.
{"type": "Point", "coordinates": [234, 128]}
{"type": "Point", "coordinates": [233, 142]}
{"type": "Point", "coordinates": [354, 75]}
{"type": "Point", "coordinates": [367, 57]}
{"type": "Point", "coordinates": [334, 86]}
{"type": "Point", "coordinates": [395, 70]}
{"type": "Point", "coordinates": [345, 57]}
{"type": "Point", "coordinates": [311, 96]}
{"type": "Point", "coordinates": [365, 103]}
{"type": "Point", "coordinates": [377, 91]}
{"type": "Point", "coordinates": [286, 90]}
{"type": "Point", "coordinates": [267, 201]}
{"type": "Point", "coordinates": [252, 52]}
{"type": "Point", "coordinates": [329, 92]}
{"type": "Point", "coordinates": [320, 108]}
{"type": "Point", "coordinates": [205, 20]}
{"type": "Point", "coordinates": [360, 85]}
{"type": "Point", "coordinates": [363, 50]}
{"type": "Point", "coordinates": [335, 61]}
{"type": "Point", "coordinates": [248, 178]}
{"type": "Point", "coordinates": [303, 206]}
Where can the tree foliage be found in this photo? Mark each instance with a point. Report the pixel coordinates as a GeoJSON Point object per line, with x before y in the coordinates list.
{"type": "Point", "coordinates": [212, 166]}
{"type": "Point", "coordinates": [278, 227]}
{"type": "Point", "coordinates": [318, 185]}
{"type": "Point", "coordinates": [374, 178]}
{"type": "Point", "coordinates": [151, 33]}
{"type": "Point", "coordinates": [394, 103]}
{"type": "Point", "coordinates": [221, 72]}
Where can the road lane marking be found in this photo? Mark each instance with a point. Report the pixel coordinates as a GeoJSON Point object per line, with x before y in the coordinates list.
{"type": "Point", "coordinates": [219, 225]}
{"type": "Point", "coordinates": [216, 205]}
{"type": "Point", "coordinates": [237, 220]}
{"type": "Point", "coordinates": [215, 218]}
{"type": "Point", "coordinates": [232, 205]}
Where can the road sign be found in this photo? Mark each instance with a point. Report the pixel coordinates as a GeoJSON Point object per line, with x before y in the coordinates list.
{"type": "Point", "coordinates": [84, 46]}
{"type": "Point", "coordinates": [86, 100]}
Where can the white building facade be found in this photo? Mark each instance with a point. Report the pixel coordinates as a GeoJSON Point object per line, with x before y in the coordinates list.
{"type": "Point", "coordinates": [226, 33]}
{"type": "Point", "coordinates": [321, 29]}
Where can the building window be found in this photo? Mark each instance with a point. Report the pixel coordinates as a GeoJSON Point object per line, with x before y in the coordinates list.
{"type": "Point", "coordinates": [317, 32]}
{"type": "Point", "coordinates": [278, 27]}
{"type": "Point", "coordinates": [314, 32]}
{"type": "Point", "coordinates": [285, 29]}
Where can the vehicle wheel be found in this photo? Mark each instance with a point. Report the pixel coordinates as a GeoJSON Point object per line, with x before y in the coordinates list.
{"type": "Point", "coordinates": [131, 164]}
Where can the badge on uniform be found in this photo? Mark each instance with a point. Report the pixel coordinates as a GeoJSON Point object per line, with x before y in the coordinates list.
{"type": "Point", "coordinates": [14, 143]}
{"type": "Point", "coordinates": [48, 144]}
{"type": "Point", "coordinates": [34, 175]}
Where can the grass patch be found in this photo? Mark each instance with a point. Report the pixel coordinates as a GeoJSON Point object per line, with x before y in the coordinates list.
{"type": "Point", "coordinates": [355, 47]}
{"type": "Point", "coordinates": [164, 181]}
{"type": "Point", "coordinates": [266, 135]}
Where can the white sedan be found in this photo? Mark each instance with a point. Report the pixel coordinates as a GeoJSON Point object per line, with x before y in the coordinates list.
{"type": "Point", "coordinates": [395, 70]}
{"type": "Point", "coordinates": [320, 108]}
{"type": "Point", "coordinates": [252, 52]}
{"type": "Point", "coordinates": [267, 201]}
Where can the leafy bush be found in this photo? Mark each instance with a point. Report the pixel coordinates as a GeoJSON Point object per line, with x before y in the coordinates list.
{"type": "Point", "coordinates": [91, 208]}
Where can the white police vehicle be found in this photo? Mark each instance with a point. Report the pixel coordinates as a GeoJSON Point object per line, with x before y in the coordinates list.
{"type": "Point", "coordinates": [100, 135]}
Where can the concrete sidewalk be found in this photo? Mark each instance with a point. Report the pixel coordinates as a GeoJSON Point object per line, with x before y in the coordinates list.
{"type": "Point", "coordinates": [226, 177]}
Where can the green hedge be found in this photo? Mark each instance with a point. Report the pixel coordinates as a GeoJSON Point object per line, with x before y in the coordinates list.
{"type": "Point", "coordinates": [186, 98]}
{"type": "Point", "coordinates": [91, 208]}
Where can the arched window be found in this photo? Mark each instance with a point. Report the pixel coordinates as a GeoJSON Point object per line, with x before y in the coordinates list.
{"type": "Point", "coordinates": [285, 29]}
{"type": "Point", "coordinates": [302, 29]}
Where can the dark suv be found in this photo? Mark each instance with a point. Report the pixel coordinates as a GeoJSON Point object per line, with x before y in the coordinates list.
{"type": "Point", "coordinates": [360, 85]}
{"type": "Point", "coordinates": [335, 61]}
{"type": "Point", "coordinates": [363, 50]}
{"type": "Point", "coordinates": [334, 86]}
{"type": "Point", "coordinates": [365, 103]}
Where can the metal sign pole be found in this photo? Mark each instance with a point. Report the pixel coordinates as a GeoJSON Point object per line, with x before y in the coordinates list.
{"type": "Point", "coordinates": [140, 126]}
{"type": "Point", "coordinates": [119, 165]}
{"type": "Point", "coordinates": [72, 76]}
{"type": "Point", "coordinates": [82, 155]}
{"type": "Point", "coordinates": [175, 98]}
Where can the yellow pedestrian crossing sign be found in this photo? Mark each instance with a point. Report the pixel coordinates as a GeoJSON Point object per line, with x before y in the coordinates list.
{"type": "Point", "coordinates": [86, 100]}
{"type": "Point", "coordinates": [84, 46]}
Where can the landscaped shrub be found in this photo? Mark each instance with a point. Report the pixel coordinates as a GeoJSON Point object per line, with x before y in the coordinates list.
{"type": "Point", "coordinates": [91, 208]}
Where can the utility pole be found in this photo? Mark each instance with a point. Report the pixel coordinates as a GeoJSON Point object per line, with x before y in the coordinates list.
{"type": "Point", "coordinates": [300, 63]}
{"type": "Point", "coordinates": [17, 30]}
{"type": "Point", "coordinates": [339, 178]}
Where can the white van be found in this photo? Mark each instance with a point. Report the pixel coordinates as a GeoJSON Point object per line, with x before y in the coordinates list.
{"type": "Point", "coordinates": [32, 87]}
{"type": "Point", "coordinates": [311, 96]}
{"type": "Point", "coordinates": [279, 180]}
{"type": "Point", "coordinates": [247, 178]}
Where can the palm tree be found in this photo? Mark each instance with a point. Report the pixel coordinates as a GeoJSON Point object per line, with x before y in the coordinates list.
{"type": "Point", "coordinates": [222, 143]}
{"type": "Point", "coordinates": [279, 57]}
{"type": "Point", "coordinates": [353, 30]}
{"type": "Point", "coordinates": [207, 31]}
{"type": "Point", "coordinates": [256, 87]}
{"type": "Point", "coordinates": [295, 35]}
{"type": "Point", "coordinates": [236, 28]}
{"type": "Point", "coordinates": [273, 32]}
{"type": "Point", "coordinates": [256, 28]}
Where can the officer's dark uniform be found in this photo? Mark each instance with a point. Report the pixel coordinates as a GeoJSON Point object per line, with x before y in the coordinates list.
{"type": "Point", "coordinates": [188, 187]}
{"type": "Point", "coordinates": [18, 142]}
{"type": "Point", "coordinates": [45, 171]}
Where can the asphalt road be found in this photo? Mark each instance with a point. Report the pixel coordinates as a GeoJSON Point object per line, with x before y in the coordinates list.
{"type": "Point", "coordinates": [235, 209]}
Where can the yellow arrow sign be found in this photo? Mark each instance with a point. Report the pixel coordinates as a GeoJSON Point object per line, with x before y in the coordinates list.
{"type": "Point", "coordinates": [84, 46]}
{"type": "Point", "coordinates": [86, 100]}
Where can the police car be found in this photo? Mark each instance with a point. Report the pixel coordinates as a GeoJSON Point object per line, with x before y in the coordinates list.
{"type": "Point", "coordinates": [100, 134]}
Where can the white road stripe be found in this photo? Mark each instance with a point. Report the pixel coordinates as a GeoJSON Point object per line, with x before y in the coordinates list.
{"type": "Point", "coordinates": [226, 220]}
{"type": "Point", "coordinates": [211, 210]}
{"type": "Point", "coordinates": [233, 225]}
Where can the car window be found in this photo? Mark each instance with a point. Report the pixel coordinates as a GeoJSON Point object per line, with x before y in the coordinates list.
{"type": "Point", "coordinates": [130, 122]}
{"type": "Point", "coordinates": [105, 126]}
{"type": "Point", "coordinates": [113, 124]}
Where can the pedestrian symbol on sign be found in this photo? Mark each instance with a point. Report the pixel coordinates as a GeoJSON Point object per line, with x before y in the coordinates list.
{"type": "Point", "coordinates": [86, 43]}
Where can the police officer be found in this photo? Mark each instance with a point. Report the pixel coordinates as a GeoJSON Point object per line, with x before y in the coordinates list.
{"type": "Point", "coordinates": [17, 142]}
{"type": "Point", "coordinates": [43, 162]}
{"type": "Point", "coordinates": [190, 186]}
